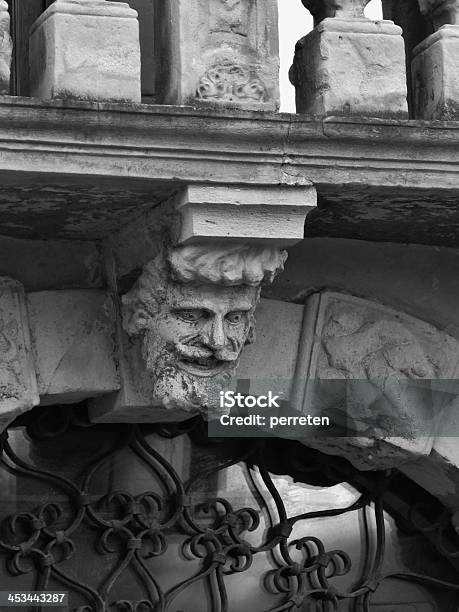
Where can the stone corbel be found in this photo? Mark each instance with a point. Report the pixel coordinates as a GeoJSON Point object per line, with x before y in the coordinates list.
{"type": "Point", "coordinates": [435, 63]}
{"type": "Point", "coordinates": [199, 261]}
{"type": "Point", "coordinates": [349, 65]}
{"type": "Point", "coordinates": [6, 48]}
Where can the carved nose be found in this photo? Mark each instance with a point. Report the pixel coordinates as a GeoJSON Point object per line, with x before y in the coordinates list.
{"type": "Point", "coordinates": [216, 334]}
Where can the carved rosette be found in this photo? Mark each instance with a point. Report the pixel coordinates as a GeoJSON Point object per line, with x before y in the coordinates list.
{"type": "Point", "coordinates": [228, 82]}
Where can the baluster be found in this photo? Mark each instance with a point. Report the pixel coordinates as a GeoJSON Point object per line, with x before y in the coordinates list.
{"type": "Point", "coordinates": [349, 65]}
{"type": "Point", "coordinates": [435, 64]}
{"type": "Point", "coordinates": [86, 49]}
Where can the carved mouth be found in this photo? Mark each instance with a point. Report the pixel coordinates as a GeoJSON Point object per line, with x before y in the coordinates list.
{"type": "Point", "coordinates": [204, 366]}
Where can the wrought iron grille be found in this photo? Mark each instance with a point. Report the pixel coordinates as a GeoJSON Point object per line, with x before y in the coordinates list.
{"type": "Point", "coordinates": [105, 545]}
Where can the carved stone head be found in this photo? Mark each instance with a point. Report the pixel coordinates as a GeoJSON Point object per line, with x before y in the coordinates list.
{"type": "Point", "coordinates": [194, 312]}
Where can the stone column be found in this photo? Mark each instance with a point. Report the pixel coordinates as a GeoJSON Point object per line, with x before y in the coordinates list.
{"type": "Point", "coordinates": [6, 48]}
{"type": "Point", "coordinates": [349, 65]}
{"type": "Point", "coordinates": [219, 53]}
{"type": "Point", "coordinates": [86, 50]}
{"type": "Point", "coordinates": [435, 64]}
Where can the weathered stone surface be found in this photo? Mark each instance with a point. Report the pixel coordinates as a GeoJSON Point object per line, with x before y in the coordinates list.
{"type": "Point", "coordinates": [186, 319]}
{"type": "Point", "coordinates": [87, 50]}
{"type": "Point", "coordinates": [147, 148]}
{"type": "Point", "coordinates": [274, 216]}
{"type": "Point", "coordinates": [435, 72]}
{"type": "Point", "coordinates": [73, 344]}
{"type": "Point", "coordinates": [219, 53]}
{"type": "Point", "coordinates": [18, 385]}
{"type": "Point", "coordinates": [351, 67]}
{"type": "Point", "coordinates": [6, 48]}
{"type": "Point", "coordinates": [377, 374]}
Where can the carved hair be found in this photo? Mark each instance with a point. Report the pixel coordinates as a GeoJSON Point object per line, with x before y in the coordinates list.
{"type": "Point", "coordinates": [228, 266]}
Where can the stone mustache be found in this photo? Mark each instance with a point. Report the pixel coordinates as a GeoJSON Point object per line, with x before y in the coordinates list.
{"type": "Point", "coordinates": [193, 311]}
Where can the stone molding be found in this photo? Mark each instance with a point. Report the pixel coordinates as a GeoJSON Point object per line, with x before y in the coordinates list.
{"type": "Point", "coordinates": [172, 143]}
{"type": "Point", "coordinates": [98, 8]}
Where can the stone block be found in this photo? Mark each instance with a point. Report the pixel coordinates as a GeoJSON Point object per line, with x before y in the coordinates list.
{"type": "Point", "coordinates": [18, 385]}
{"type": "Point", "coordinates": [382, 377]}
{"type": "Point", "coordinates": [73, 344]}
{"type": "Point", "coordinates": [351, 67]}
{"type": "Point", "coordinates": [86, 50]}
{"type": "Point", "coordinates": [219, 53]}
{"type": "Point", "coordinates": [272, 215]}
{"type": "Point", "coordinates": [136, 400]}
{"type": "Point", "coordinates": [269, 363]}
{"type": "Point", "coordinates": [6, 48]}
{"type": "Point", "coordinates": [435, 73]}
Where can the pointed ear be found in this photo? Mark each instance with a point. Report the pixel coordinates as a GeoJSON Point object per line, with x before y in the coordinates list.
{"type": "Point", "coordinates": [251, 335]}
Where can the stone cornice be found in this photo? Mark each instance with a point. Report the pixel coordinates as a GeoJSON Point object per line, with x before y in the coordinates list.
{"type": "Point", "coordinates": [178, 144]}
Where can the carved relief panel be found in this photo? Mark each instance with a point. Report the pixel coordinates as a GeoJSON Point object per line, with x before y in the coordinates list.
{"type": "Point", "coordinates": [18, 385]}
{"type": "Point", "coordinates": [382, 377]}
{"type": "Point", "coordinates": [220, 52]}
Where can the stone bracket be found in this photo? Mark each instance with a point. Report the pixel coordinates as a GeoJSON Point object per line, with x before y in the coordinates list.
{"type": "Point", "coordinates": [270, 215]}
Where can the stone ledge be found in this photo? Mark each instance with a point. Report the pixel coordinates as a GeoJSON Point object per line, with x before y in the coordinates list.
{"type": "Point", "coordinates": [134, 134]}
{"type": "Point", "coordinates": [399, 166]}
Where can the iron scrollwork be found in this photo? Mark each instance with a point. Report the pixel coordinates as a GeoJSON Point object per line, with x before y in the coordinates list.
{"type": "Point", "coordinates": [132, 530]}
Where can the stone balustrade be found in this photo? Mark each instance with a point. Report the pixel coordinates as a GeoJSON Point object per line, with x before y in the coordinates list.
{"type": "Point", "coordinates": [225, 53]}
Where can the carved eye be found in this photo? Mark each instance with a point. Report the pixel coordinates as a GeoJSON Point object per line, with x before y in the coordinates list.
{"type": "Point", "coordinates": [190, 315]}
{"type": "Point", "coordinates": [234, 318]}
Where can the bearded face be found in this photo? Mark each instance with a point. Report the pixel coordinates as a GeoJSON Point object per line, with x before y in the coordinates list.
{"type": "Point", "coordinates": [191, 345]}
